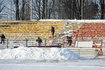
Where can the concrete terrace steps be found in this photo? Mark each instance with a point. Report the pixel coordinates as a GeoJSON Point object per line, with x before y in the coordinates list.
{"type": "Point", "coordinates": [61, 36]}
{"type": "Point", "coordinates": [24, 30]}
{"type": "Point", "coordinates": [91, 30]}
{"type": "Point", "coordinates": [86, 52]}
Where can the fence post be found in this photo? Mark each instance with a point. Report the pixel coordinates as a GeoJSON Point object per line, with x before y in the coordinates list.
{"type": "Point", "coordinates": [26, 42]}
{"type": "Point", "coordinates": [45, 43]}
{"type": "Point", "coordinates": [7, 44]}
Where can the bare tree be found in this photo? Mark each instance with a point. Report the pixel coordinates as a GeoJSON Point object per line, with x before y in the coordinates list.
{"type": "Point", "coordinates": [25, 10]}
{"type": "Point", "coordinates": [37, 9]}
{"type": "Point", "coordinates": [77, 9]}
{"type": "Point", "coordinates": [102, 4]}
{"type": "Point", "coordinates": [51, 10]}
{"type": "Point", "coordinates": [90, 9]}
{"type": "Point", "coordinates": [17, 9]}
{"type": "Point", "coordinates": [59, 9]}
{"type": "Point", "coordinates": [2, 7]}
{"type": "Point", "coordinates": [45, 7]}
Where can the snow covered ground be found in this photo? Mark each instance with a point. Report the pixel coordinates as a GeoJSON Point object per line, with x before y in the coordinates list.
{"type": "Point", "coordinates": [24, 58]}
{"type": "Point", "coordinates": [52, 65]}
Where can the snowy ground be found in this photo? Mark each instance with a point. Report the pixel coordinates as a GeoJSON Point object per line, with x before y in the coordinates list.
{"type": "Point", "coordinates": [52, 65]}
{"type": "Point", "coordinates": [24, 58]}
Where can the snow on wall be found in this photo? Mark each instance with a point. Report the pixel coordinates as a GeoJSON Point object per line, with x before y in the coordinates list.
{"type": "Point", "coordinates": [87, 21]}
{"type": "Point", "coordinates": [74, 21]}
{"type": "Point", "coordinates": [39, 53]}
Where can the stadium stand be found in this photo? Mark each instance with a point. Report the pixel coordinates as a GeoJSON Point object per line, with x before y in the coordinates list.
{"type": "Point", "coordinates": [16, 30]}
{"type": "Point", "coordinates": [91, 31]}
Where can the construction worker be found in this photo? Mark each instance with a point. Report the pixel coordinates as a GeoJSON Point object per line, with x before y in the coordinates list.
{"type": "Point", "coordinates": [39, 40]}
{"type": "Point", "coordinates": [52, 31]}
{"type": "Point", "coordinates": [2, 39]}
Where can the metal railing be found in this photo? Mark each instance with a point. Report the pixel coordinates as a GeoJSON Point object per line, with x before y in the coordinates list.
{"type": "Point", "coordinates": [26, 43]}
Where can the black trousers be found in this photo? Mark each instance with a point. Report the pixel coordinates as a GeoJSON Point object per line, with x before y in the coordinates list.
{"type": "Point", "coordinates": [53, 34]}
{"type": "Point", "coordinates": [70, 42]}
{"type": "Point", "coordinates": [39, 44]}
{"type": "Point", "coordinates": [3, 41]}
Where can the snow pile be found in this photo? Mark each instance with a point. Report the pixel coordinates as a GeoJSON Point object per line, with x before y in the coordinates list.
{"type": "Point", "coordinates": [38, 53]}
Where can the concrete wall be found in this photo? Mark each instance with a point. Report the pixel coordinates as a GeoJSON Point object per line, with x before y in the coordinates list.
{"type": "Point", "coordinates": [103, 49]}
